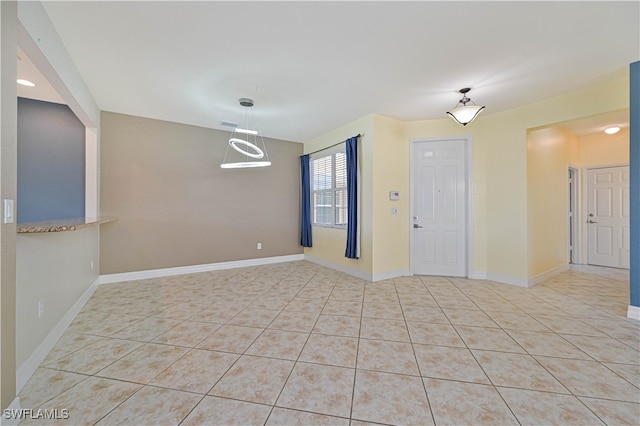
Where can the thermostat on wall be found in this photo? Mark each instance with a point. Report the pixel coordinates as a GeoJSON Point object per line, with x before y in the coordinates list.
{"type": "Point", "coordinates": [394, 195]}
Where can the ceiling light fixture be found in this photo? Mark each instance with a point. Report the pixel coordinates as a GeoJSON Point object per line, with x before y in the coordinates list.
{"type": "Point", "coordinates": [252, 150]}
{"type": "Point", "coordinates": [612, 130]}
{"type": "Point", "coordinates": [463, 113]}
{"type": "Point", "coordinates": [25, 82]}
{"type": "Point", "coordinates": [246, 131]}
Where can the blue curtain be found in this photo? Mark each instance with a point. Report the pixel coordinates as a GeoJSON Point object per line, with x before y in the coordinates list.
{"type": "Point", "coordinates": [353, 227]}
{"type": "Point", "coordinates": [305, 239]}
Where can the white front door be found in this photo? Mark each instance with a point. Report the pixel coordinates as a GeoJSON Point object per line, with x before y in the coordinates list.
{"type": "Point", "coordinates": [439, 208]}
{"type": "Point", "coordinates": [608, 217]}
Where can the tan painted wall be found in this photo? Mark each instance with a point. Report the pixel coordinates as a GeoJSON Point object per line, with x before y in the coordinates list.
{"type": "Point", "coordinates": [549, 153]}
{"type": "Point", "coordinates": [507, 210]}
{"type": "Point", "coordinates": [329, 244]}
{"type": "Point", "coordinates": [391, 237]}
{"type": "Point", "coordinates": [602, 149]}
{"type": "Point", "coordinates": [8, 175]}
{"type": "Point", "coordinates": [62, 288]}
{"type": "Point", "coordinates": [500, 201]}
{"type": "Point", "coordinates": [54, 267]}
{"type": "Point", "coordinates": [176, 207]}
{"type": "Point", "coordinates": [507, 202]}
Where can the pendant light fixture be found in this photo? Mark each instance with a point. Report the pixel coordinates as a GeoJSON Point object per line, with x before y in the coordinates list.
{"type": "Point", "coordinates": [463, 113]}
{"type": "Point", "coordinates": [248, 146]}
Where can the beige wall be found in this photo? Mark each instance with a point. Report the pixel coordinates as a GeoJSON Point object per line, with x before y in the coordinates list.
{"type": "Point", "coordinates": [500, 200]}
{"type": "Point", "coordinates": [602, 149]}
{"type": "Point", "coordinates": [507, 209]}
{"type": "Point", "coordinates": [329, 243]}
{"type": "Point", "coordinates": [175, 206]}
{"type": "Point", "coordinates": [391, 236]}
{"type": "Point", "coordinates": [149, 223]}
{"type": "Point", "coordinates": [8, 173]}
{"type": "Point", "coordinates": [549, 153]}
{"type": "Point", "coordinates": [56, 268]}
{"type": "Point", "coordinates": [62, 288]}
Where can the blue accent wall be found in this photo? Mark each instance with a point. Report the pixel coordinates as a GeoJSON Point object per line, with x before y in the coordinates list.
{"type": "Point", "coordinates": [634, 166]}
{"type": "Point", "coordinates": [51, 162]}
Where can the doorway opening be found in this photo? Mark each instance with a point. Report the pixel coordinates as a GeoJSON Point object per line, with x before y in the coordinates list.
{"type": "Point", "coordinates": [573, 214]}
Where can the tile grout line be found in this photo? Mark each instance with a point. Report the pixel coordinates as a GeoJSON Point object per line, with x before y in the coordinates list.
{"type": "Point", "coordinates": [274, 405]}
{"type": "Point", "coordinates": [249, 295]}
{"type": "Point", "coordinates": [424, 385]}
{"type": "Point", "coordinates": [355, 367]}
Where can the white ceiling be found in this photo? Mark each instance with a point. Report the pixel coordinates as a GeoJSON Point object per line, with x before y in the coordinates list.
{"type": "Point", "coordinates": [43, 90]}
{"type": "Point", "coordinates": [314, 66]}
{"type": "Point", "coordinates": [598, 123]}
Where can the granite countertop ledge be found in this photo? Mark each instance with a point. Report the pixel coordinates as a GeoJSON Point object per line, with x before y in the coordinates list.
{"type": "Point", "coordinates": [61, 225]}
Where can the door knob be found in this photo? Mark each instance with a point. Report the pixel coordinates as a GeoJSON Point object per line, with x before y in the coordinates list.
{"type": "Point", "coordinates": [591, 221]}
{"type": "Point", "coordinates": [415, 225]}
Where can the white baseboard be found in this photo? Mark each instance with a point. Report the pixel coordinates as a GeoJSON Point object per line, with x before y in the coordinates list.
{"type": "Point", "coordinates": [341, 268]}
{"type": "Point", "coordinates": [507, 279]}
{"type": "Point", "coordinates": [181, 270]}
{"type": "Point", "coordinates": [358, 273]}
{"type": "Point", "coordinates": [520, 282]}
{"type": "Point", "coordinates": [546, 275]}
{"type": "Point", "coordinates": [31, 364]}
{"type": "Point", "coordinates": [478, 275]}
{"type": "Point", "coordinates": [499, 278]}
{"type": "Point", "coordinates": [633, 312]}
{"type": "Point", "coordinates": [391, 274]}
{"type": "Point", "coordinates": [7, 419]}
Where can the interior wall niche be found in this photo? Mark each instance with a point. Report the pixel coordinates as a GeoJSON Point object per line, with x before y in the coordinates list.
{"type": "Point", "coordinates": [51, 162]}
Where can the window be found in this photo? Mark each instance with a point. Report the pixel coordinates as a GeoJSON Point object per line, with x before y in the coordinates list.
{"type": "Point", "coordinates": [329, 189]}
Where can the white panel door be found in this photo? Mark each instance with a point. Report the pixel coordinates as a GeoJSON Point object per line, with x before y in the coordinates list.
{"type": "Point", "coordinates": [608, 217]}
{"type": "Point", "coordinates": [439, 208]}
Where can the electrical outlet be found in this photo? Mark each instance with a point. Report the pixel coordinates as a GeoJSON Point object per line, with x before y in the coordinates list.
{"type": "Point", "coordinates": [41, 309]}
{"type": "Point", "coordinates": [259, 246]}
{"type": "Point", "coordinates": [92, 265]}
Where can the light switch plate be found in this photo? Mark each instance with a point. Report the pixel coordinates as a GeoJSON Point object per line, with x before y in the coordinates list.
{"type": "Point", "coordinates": [7, 216]}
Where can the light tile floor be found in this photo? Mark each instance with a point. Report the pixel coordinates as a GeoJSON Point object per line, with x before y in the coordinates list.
{"type": "Point", "coordinates": [296, 343]}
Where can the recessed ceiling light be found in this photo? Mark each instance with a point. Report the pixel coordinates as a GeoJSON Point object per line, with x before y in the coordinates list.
{"type": "Point", "coordinates": [612, 130]}
{"type": "Point", "coordinates": [25, 82]}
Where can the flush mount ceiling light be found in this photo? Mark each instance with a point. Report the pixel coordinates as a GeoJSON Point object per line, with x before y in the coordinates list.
{"type": "Point", "coordinates": [25, 82]}
{"type": "Point", "coordinates": [612, 130]}
{"type": "Point", "coordinates": [251, 149]}
{"type": "Point", "coordinates": [463, 113]}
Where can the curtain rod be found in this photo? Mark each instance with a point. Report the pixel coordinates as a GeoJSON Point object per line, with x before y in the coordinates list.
{"type": "Point", "coordinates": [331, 146]}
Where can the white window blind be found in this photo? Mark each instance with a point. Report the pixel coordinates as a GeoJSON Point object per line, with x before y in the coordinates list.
{"type": "Point", "coordinates": [329, 188]}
